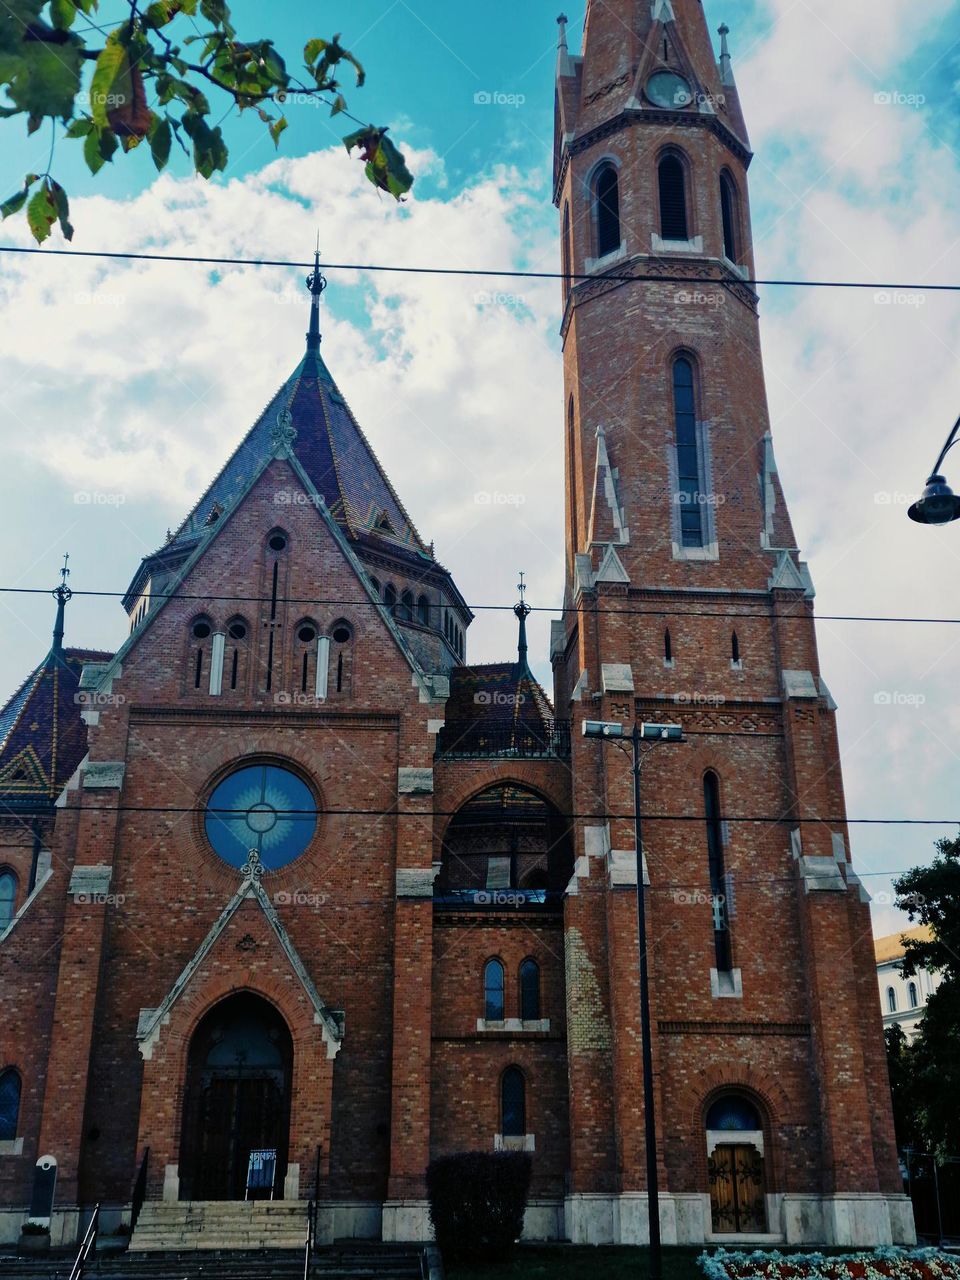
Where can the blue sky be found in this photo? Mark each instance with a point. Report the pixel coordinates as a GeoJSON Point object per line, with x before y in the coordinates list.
{"type": "Point", "coordinates": [122, 390]}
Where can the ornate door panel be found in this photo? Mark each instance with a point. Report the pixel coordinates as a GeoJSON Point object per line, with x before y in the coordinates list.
{"type": "Point", "coordinates": [736, 1189]}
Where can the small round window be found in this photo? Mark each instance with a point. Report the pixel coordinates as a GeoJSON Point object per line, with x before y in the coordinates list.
{"type": "Point", "coordinates": [261, 807]}
{"type": "Point", "coordinates": [201, 630]}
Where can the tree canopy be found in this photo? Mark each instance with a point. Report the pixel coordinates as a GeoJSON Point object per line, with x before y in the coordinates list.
{"type": "Point", "coordinates": [161, 77]}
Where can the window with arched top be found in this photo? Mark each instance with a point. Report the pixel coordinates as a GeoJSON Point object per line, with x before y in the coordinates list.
{"type": "Point", "coordinates": [341, 657]}
{"type": "Point", "coordinates": [735, 649]}
{"type": "Point", "coordinates": [672, 184]}
{"type": "Point", "coordinates": [572, 474]}
{"type": "Point", "coordinates": [914, 1001]}
{"type": "Point", "coordinates": [891, 1000]}
{"type": "Point", "coordinates": [9, 1104]}
{"type": "Point", "coordinates": [201, 640]}
{"type": "Point", "coordinates": [375, 583]}
{"type": "Point", "coordinates": [529, 991]}
{"type": "Point", "coordinates": [423, 611]}
{"type": "Point", "coordinates": [390, 597]}
{"type": "Point", "coordinates": [606, 207]}
{"type": "Point", "coordinates": [276, 568]}
{"type": "Point", "coordinates": [734, 1113]}
{"type": "Point", "coordinates": [729, 217]}
{"type": "Point", "coordinates": [236, 645]}
{"type": "Point", "coordinates": [306, 636]}
{"type": "Point", "coordinates": [667, 648]}
{"type": "Point", "coordinates": [8, 897]}
{"type": "Point", "coordinates": [689, 496]}
{"type": "Point", "coordinates": [405, 607]}
{"type": "Point", "coordinates": [493, 991]}
{"type": "Point", "coordinates": [718, 885]}
{"type": "Point", "coordinates": [513, 1103]}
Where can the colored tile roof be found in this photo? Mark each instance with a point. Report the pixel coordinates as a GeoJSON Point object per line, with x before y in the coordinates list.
{"type": "Point", "coordinates": [330, 447]}
{"type": "Point", "coordinates": [42, 737]}
{"type": "Point", "coordinates": [890, 947]}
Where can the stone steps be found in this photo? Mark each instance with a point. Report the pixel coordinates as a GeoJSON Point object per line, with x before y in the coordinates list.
{"type": "Point", "coordinates": [220, 1224]}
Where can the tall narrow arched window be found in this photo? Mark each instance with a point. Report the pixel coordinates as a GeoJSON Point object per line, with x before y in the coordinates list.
{"type": "Point", "coordinates": [8, 897]}
{"type": "Point", "coordinates": [735, 649]}
{"type": "Point", "coordinates": [375, 583]}
{"type": "Point", "coordinates": [565, 251]}
{"type": "Point", "coordinates": [201, 633]}
{"type": "Point", "coordinates": [529, 991]}
{"type": "Point", "coordinates": [572, 474]}
{"type": "Point", "coordinates": [235, 657]}
{"type": "Point", "coordinates": [914, 1002]}
{"type": "Point", "coordinates": [718, 885]}
{"type": "Point", "coordinates": [688, 454]}
{"type": "Point", "coordinates": [405, 608]}
{"type": "Point", "coordinates": [341, 657]}
{"type": "Point", "coordinates": [606, 201]}
{"type": "Point", "coordinates": [671, 180]}
{"type": "Point", "coordinates": [729, 217]}
{"type": "Point", "coordinates": [390, 597]}
{"type": "Point", "coordinates": [891, 1000]}
{"type": "Point", "coordinates": [493, 991]}
{"type": "Point", "coordinates": [9, 1104]}
{"type": "Point", "coordinates": [423, 611]}
{"type": "Point", "coordinates": [667, 648]}
{"type": "Point", "coordinates": [513, 1103]}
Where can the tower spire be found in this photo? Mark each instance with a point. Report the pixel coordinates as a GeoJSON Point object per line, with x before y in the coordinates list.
{"type": "Point", "coordinates": [316, 283]}
{"type": "Point", "coordinates": [726, 63]}
{"type": "Point", "coordinates": [61, 594]}
{"type": "Point", "coordinates": [522, 611]}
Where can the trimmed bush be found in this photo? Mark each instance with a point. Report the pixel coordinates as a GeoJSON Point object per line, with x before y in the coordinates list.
{"type": "Point", "coordinates": [477, 1202]}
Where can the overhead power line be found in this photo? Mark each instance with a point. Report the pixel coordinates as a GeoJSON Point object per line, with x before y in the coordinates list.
{"type": "Point", "coordinates": [493, 272]}
{"type": "Point", "coordinates": [665, 612]}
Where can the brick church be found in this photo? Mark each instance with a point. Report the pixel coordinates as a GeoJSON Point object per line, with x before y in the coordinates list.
{"type": "Point", "coordinates": [293, 897]}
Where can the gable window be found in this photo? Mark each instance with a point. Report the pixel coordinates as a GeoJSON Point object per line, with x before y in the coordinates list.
{"type": "Point", "coordinates": [728, 216]}
{"type": "Point", "coordinates": [513, 1103]}
{"type": "Point", "coordinates": [671, 180]}
{"type": "Point", "coordinates": [721, 923]}
{"type": "Point", "coordinates": [529, 991]}
{"type": "Point", "coordinates": [8, 897]}
{"type": "Point", "coordinates": [493, 991]}
{"type": "Point", "coordinates": [9, 1104]}
{"type": "Point", "coordinates": [891, 1000]}
{"type": "Point", "coordinates": [688, 454]}
{"type": "Point", "coordinates": [606, 202]}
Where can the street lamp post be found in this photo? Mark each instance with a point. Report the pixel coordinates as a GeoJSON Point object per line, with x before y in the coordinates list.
{"type": "Point", "coordinates": [938, 504]}
{"type": "Point", "coordinates": [654, 734]}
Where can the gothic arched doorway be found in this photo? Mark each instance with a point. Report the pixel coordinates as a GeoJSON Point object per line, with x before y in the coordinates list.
{"type": "Point", "coordinates": [735, 1166]}
{"type": "Point", "coordinates": [236, 1100]}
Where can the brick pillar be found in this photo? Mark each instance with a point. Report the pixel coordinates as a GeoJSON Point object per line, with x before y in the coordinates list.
{"type": "Point", "coordinates": [84, 926]}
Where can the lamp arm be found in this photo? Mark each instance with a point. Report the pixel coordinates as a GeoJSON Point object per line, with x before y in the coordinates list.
{"type": "Point", "coordinates": [952, 439]}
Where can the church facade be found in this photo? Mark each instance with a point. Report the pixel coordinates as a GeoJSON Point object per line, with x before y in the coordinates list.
{"type": "Point", "coordinates": [293, 896]}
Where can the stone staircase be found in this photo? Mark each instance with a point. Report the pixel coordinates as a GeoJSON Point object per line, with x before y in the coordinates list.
{"type": "Point", "coordinates": [349, 1261]}
{"type": "Point", "coordinates": [185, 1225]}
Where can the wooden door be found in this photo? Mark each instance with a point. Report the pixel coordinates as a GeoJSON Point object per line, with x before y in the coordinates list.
{"type": "Point", "coordinates": [736, 1189]}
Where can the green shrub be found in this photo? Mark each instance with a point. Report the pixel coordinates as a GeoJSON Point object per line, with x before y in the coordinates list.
{"type": "Point", "coordinates": [34, 1229]}
{"type": "Point", "coordinates": [477, 1202]}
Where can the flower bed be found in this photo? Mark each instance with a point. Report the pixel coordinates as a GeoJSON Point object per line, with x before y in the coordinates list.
{"type": "Point", "coordinates": [874, 1264]}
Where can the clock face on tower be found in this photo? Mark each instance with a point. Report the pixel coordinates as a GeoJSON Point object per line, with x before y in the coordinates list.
{"type": "Point", "coordinates": [667, 89]}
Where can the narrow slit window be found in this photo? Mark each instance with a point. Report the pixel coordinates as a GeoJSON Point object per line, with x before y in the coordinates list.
{"type": "Point", "coordinates": [728, 215]}
{"type": "Point", "coordinates": [667, 647]}
{"type": "Point", "coordinates": [529, 991]}
{"type": "Point", "coordinates": [688, 454]}
{"type": "Point", "coordinates": [735, 649]}
{"type": "Point", "coordinates": [607, 203]}
{"type": "Point", "coordinates": [673, 199]}
{"type": "Point", "coordinates": [513, 1103]}
{"type": "Point", "coordinates": [718, 885]}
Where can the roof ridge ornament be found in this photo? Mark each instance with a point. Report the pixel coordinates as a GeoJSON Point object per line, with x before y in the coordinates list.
{"type": "Point", "coordinates": [316, 282]}
{"type": "Point", "coordinates": [283, 434]}
{"type": "Point", "coordinates": [252, 869]}
{"type": "Point", "coordinates": [61, 594]}
{"type": "Point", "coordinates": [522, 611]}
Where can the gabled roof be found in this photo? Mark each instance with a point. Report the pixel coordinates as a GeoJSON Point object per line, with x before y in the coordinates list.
{"type": "Point", "coordinates": [891, 946]}
{"type": "Point", "coordinates": [331, 448]}
{"type": "Point", "coordinates": [42, 735]}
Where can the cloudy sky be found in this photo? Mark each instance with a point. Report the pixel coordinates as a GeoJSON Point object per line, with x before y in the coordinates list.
{"type": "Point", "coordinates": [124, 387]}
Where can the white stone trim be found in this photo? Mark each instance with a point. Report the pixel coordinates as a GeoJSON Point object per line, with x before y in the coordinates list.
{"type": "Point", "coordinates": [414, 781]}
{"type": "Point", "coordinates": [622, 869]}
{"type": "Point", "coordinates": [217, 648]}
{"type": "Point", "coordinates": [415, 882]}
{"type": "Point", "coordinates": [616, 677]}
{"type": "Point", "coordinates": [90, 881]}
{"type": "Point", "coordinates": [727, 985]}
{"type": "Point", "coordinates": [734, 1137]}
{"type": "Point", "coordinates": [103, 775]}
{"type": "Point", "coordinates": [323, 668]}
{"type": "Point", "coordinates": [522, 1142]}
{"type": "Point", "coordinates": [11, 1147]}
{"type": "Point", "coordinates": [661, 246]}
{"type": "Point", "coordinates": [821, 875]}
{"type": "Point", "coordinates": [516, 1025]}
{"type": "Point", "coordinates": [600, 265]}
{"type": "Point", "coordinates": [799, 684]}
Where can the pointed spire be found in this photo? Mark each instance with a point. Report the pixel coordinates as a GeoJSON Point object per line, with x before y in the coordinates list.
{"type": "Point", "coordinates": [316, 283]}
{"type": "Point", "coordinates": [564, 61]}
{"type": "Point", "coordinates": [61, 594]}
{"type": "Point", "coordinates": [522, 610]}
{"type": "Point", "coordinates": [726, 63]}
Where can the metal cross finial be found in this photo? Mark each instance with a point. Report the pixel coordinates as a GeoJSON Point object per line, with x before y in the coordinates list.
{"type": "Point", "coordinates": [521, 586]}
{"type": "Point", "coordinates": [65, 572]}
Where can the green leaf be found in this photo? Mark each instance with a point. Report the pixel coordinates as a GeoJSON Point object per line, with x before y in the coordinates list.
{"type": "Point", "coordinates": [385, 165]}
{"type": "Point", "coordinates": [111, 78]}
{"type": "Point", "coordinates": [41, 213]}
{"type": "Point", "coordinates": [62, 205]}
{"type": "Point", "coordinates": [41, 79]}
{"type": "Point", "coordinates": [273, 64]}
{"type": "Point", "coordinates": [161, 138]}
{"type": "Point", "coordinates": [63, 14]}
{"type": "Point", "coordinates": [276, 128]}
{"type": "Point", "coordinates": [339, 104]}
{"type": "Point", "coordinates": [108, 143]}
{"type": "Point", "coordinates": [312, 50]}
{"type": "Point", "coordinates": [91, 151]}
{"type": "Point", "coordinates": [16, 202]}
{"type": "Point", "coordinates": [79, 128]}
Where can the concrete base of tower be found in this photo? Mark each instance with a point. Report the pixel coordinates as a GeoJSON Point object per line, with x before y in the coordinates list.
{"type": "Point", "coordinates": [850, 1220]}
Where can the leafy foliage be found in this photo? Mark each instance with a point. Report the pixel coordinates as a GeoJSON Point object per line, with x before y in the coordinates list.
{"type": "Point", "coordinates": [145, 83]}
{"type": "Point", "coordinates": [932, 1063]}
{"type": "Point", "coordinates": [477, 1202]}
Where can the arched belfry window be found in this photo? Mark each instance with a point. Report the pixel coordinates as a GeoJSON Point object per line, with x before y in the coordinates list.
{"type": "Point", "coordinates": [729, 215]}
{"type": "Point", "coordinates": [513, 1103]}
{"type": "Point", "coordinates": [493, 991]}
{"type": "Point", "coordinates": [674, 224]}
{"type": "Point", "coordinates": [606, 201]}
{"type": "Point", "coordinates": [718, 879]}
{"type": "Point", "coordinates": [688, 453]}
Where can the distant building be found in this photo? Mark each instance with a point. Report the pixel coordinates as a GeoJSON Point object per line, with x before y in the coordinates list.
{"type": "Point", "coordinates": [903, 999]}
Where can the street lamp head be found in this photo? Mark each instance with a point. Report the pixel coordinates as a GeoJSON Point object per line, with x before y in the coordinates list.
{"type": "Point", "coordinates": [602, 729]}
{"type": "Point", "coordinates": [938, 504]}
{"type": "Point", "coordinates": [661, 732]}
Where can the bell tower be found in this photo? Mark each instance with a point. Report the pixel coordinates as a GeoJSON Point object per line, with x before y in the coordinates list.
{"type": "Point", "coordinates": [686, 602]}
